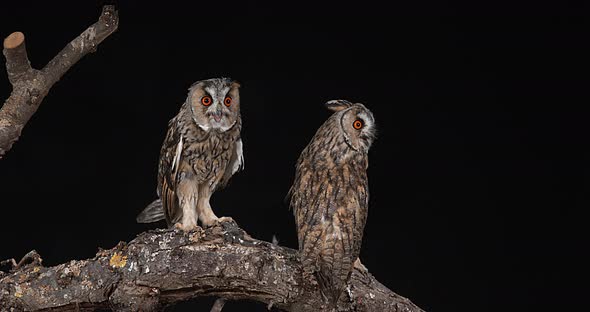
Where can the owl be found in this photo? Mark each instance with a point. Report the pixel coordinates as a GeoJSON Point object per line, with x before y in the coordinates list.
{"type": "Point", "coordinates": [330, 196]}
{"type": "Point", "coordinates": [201, 152]}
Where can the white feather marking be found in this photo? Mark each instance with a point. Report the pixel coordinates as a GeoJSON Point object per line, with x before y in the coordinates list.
{"type": "Point", "coordinates": [223, 129]}
{"type": "Point", "coordinates": [204, 127]}
{"type": "Point", "coordinates": [336, 232]}
{"type": "Point", "coordinates": [176, 159]}
{"type": "Point", "coordinates": [239, 164]}
{"type": "Point", "coordinates": [212, 92]}
{"type": "Point", "coordinates": [368, 119]}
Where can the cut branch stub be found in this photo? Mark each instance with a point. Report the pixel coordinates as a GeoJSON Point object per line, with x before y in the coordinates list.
{"type": "Point", "coordinates": [17, 62]}
{"type": "Point", "coordinates": [13, 40]}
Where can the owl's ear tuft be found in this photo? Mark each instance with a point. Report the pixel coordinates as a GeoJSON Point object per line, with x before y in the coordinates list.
{"type": "Point", "coordinates": [195, 85]}
{"type": "Point", "coordinates": [235, 84]}
{"type": "Point", "coordinates": [338, 105]}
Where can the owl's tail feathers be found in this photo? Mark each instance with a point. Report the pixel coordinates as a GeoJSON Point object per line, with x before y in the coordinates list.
{"type": "Point", "coordinates": [152, 213]}
{"type": "Point", "coordinates": [330, 285]}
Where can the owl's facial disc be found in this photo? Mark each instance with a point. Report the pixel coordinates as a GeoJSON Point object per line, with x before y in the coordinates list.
{"type": "Point", "coordinates": [216, 112]}
{"type": "Point", "coordinates": [215, 104]}
{"type": "Point", "coordinates": [358, 127]}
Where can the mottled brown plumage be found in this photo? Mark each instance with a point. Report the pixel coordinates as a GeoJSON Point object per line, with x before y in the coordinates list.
{"type": "Point", "coordinates": [200, 153]}
{"type": "Point", "coordinates": [330, 196]}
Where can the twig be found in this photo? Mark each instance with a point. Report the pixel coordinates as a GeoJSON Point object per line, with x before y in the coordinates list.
{"type": "Point", "coordinates": [218, 305]}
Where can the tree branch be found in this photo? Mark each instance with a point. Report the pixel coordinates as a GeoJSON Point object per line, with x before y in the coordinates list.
{"type": "Point", "coordinates": [163, 267]}
{"type": "Point", "coordinates": [30, 86]}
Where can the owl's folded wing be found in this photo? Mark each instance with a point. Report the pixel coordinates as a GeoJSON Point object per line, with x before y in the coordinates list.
{"type": "Point", "coordinates": [167, 176]}
{"type": "Point", "coordinates": [170, 161]}
{"type": "Point", "coordinates": [236, 163]}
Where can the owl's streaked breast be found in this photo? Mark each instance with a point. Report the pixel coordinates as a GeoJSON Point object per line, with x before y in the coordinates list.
{"type": "Point", "coordinates": [209, 152]}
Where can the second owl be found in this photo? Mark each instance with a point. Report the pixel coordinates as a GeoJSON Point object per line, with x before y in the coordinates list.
{"type": "Point", "coordinates": [330, 196]}
{"type": "Point", "coordinates": [200, 153]}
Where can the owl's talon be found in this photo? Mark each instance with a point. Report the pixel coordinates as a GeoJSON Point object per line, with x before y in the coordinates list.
{"type": "Point", "coordinates": [218, 221]}
{"type": "Point", "coordinates": [225, 219]}
{"type": "Point", "coordinates": [360, 266]}
{"type": "Point", "coordinates": [186, 229]}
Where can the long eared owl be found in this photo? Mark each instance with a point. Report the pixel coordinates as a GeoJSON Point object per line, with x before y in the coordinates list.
{"type": "Point", "coordinates": [330, 195]}
{"type": "Point", "coordinates": [200, 153]}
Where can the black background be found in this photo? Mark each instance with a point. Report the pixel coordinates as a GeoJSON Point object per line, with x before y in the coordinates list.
{"type": "Point", "coordinates": [478, 179]}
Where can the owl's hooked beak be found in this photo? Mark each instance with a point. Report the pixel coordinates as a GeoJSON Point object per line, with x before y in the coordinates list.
{"type": "Point", "coordinates": [217, 115]}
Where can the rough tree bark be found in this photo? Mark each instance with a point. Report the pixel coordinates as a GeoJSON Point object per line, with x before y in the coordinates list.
{"type": "Point", "coordinates": [163, 267]}
{"type": "Point", "coordinates": [30, 86]}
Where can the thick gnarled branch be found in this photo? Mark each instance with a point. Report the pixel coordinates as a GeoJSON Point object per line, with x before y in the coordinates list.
{"type": "Point", "coordinates": [30, 86]}
{"type": "Point", "coordinates": [163, 267]}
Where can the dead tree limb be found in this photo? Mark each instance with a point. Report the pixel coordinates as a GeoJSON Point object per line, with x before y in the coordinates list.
{"type": "Point", "coordinates": [163, 267]}
{"type": "Point", "coordinates": [30, 86]}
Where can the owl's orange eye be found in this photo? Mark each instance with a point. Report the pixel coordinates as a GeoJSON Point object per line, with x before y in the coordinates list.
{"type": "Point", "coordinates": [357, 124]}
{"type": "Point", "coordinates": [206, 100]}
{"type": "Point", "coordinates": [227, 101]}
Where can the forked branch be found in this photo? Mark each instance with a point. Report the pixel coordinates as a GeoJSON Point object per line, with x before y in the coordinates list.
{"type": "Point", "coordinates": [30, 86]}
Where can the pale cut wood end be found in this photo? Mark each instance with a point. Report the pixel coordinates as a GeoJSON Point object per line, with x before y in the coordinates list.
{"type": "Point", "coordinates": [14, 40]}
